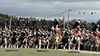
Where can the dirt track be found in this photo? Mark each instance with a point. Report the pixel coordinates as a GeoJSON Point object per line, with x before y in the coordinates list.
{"type": "Point", "coordinates": [82, 51]}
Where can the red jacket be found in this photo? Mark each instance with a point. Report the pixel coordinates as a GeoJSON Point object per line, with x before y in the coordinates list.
{"type": "Point", "coordinates": [57, 30]}
{"type": "Point", "coordinates": [79, 33]}
{"type": "Point", "coordinates": [97, 34]}
{"type": "Point", "coordinates": [76, 33]}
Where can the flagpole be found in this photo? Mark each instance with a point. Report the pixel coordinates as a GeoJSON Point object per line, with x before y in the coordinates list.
{"type": "Point", "coordinates": [64, 22]}
{"type": "Point", "coordinates": [68, 17]}
{"type": "Point", "coordinates": [10, 23]}
{"type": "Point", "coordinates": [64, 25]}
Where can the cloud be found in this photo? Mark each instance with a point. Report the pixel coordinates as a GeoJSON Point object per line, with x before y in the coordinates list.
{"type": "Point", "coordinates": [59, 0]}
{"type": "Point", "coordinates": [43, 8]}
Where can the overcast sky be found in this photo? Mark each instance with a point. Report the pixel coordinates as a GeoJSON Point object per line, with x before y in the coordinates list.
{"type": "Point", "coordinates": [44, 8]}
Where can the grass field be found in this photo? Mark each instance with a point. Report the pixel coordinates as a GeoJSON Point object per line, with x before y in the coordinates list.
{"type": "Point", "coordinates": [33, 52]}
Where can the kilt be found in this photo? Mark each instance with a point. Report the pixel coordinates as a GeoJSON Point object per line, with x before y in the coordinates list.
{"type": "Point", "coordinates": [74, 41]}
{"type": "Point", "coordinates": [57, 39]}
{"type": "Point", "coordinates": [37, 42]}
{"type": "Point", "coordinates": [64, 40]}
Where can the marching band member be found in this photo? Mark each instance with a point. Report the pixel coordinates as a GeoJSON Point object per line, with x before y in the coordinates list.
{"type": "Point", "coordinates": [77, 35]}
{"type": "Point", "coordinates": [57, 36]}
{"type": "Point", "coordinates": [65, 39]}
{"type": "Point", "coordinates": [92, 44]}
{"type": "Point", "coordinates": [40, 43]}
{"type": "Point", "coordinates": [25, 42]}
{"type": "Point", "coordinates": [5, 38]}
{"type": "Point", "coordinates": [69, 39]}
{"type": "Point", "coordinates": [97, 35]}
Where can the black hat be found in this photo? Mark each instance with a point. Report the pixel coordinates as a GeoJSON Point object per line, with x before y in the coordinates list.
{"type": "Point", "coordinates": [55, 23]}
{"type": "Point", "coordinates": [76, 24]}
{"type": "Point", "coordinates": [95, 27]}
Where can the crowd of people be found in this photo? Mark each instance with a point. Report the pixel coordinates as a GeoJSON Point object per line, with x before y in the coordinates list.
{"type": "Point", "coordinates": [55, 38]}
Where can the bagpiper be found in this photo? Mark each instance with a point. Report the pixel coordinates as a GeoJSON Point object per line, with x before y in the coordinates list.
{"type": "Point", "coordinates": [97, 35]}
{"type": "Point", "coordinates": [57, 34]}
{"type": "Point", "coordinates": [77, 35]}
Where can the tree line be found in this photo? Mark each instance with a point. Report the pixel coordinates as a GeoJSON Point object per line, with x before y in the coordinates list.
{"type": "Point", "coordinates": [40, 23]}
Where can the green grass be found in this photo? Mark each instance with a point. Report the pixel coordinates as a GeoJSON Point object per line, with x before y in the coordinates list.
{"type": "Point", "coordinates": [33, 52]}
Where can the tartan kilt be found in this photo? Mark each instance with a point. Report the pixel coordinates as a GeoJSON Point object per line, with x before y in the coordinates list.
{"type": "Point", "coordinates": [74, 41]}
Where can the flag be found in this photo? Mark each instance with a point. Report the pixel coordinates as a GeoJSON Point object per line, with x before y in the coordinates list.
{"type": "Point", "coordinates": [58, 20]}
{"type": "Point", "coordinates": [63, 20]}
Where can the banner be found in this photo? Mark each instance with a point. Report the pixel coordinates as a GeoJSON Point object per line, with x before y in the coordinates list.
{"type": "Point", "coordinates": [63, 20]}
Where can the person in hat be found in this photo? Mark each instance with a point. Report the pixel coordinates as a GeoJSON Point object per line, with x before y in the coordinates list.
{"type": "Point", "coordinates": [97, 35]}
{"type": "Point", "coordinates": [91, 40]}
{"type": "Point", "coordinates": [57, 33]}
{"type": "Point", "coordinates": [77, 35]}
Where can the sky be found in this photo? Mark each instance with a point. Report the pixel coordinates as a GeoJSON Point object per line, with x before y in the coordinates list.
{"type": "Point", "coordinates": [44, 8]}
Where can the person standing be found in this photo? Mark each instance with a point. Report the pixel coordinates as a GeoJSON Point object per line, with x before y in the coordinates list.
{"type": "Point", "coordinates": [77, 35]}
{"type": "Point", "coordinates": [97, 35]}
{"type": "Point", "coordinates": [57, 31]}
